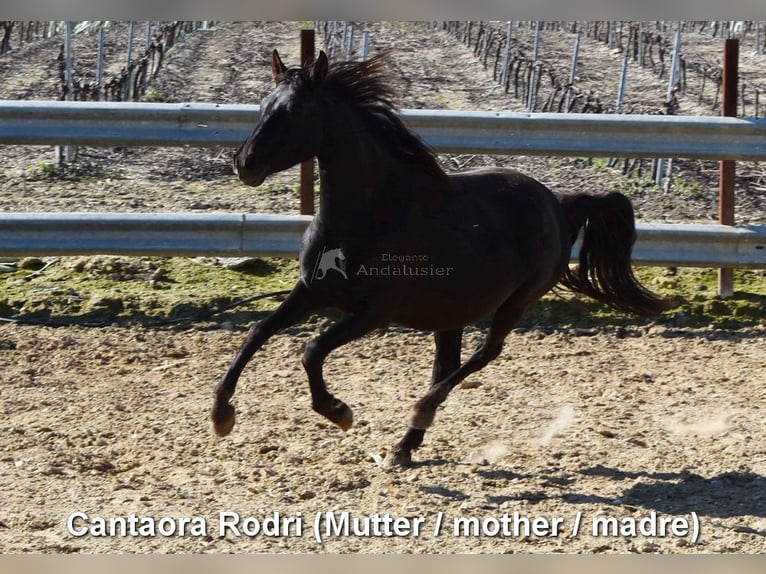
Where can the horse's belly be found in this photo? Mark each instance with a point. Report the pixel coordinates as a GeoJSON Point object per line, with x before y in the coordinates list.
{"type": "Point", "coordinates": [439, 310]}
{"type": "Point", "coordinates": [476, 291]}
{"type": "Point", "coordinates": [437, 320]}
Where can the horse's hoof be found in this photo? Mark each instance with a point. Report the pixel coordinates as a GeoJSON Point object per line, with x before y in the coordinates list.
{"type": "Point", "coordinates": [346, 419]}
{"type": "Point", "coordinates": [397, 457]}
{"type": "Point", "coordinates": [337, 412]}
{"type": "Point", "coordinates": [223, 418]}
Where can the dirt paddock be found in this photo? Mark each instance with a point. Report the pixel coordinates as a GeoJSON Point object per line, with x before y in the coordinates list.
{"type": "Point", "coordinates": [650, 435]}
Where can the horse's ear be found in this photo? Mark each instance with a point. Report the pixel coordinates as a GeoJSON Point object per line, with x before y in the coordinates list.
{"type": "Point", "coordinates": [319, 71]}
{"type": "Point", "coordinates": [277, 67]}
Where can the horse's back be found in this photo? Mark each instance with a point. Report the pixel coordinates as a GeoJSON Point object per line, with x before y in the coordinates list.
{"type": "Point", "coordinates": [524, 210]}
{"type": "Point", "coordinates": [504, 186]}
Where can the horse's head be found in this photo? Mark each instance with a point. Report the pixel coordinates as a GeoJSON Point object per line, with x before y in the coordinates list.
{"type": "Point", "coordinates": [289, 129]}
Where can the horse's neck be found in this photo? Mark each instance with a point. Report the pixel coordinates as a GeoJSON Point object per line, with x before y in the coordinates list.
{"type": "Point", "coordinates": [360, 175]}
{"type": "Point", "coordinates": [352, 170]}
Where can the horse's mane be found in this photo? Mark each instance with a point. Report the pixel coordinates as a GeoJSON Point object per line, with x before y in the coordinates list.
{"type": "Point", "coordinates": [368, 86]}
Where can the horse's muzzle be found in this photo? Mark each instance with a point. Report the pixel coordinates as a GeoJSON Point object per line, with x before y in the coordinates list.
{"type": "Point", "coordinates": [246, 172]}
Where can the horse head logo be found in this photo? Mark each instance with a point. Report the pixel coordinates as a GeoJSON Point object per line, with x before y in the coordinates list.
{"type": "Point", "coordinates": [334, 259]}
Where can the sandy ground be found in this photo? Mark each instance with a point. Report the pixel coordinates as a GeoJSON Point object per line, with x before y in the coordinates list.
{"type": "Point", "coordinates": [639, 426]}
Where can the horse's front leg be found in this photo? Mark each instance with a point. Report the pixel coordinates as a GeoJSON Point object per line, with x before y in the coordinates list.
{"type": "Point", "coordinates": [295, 307]}
{"type": "Point", "coordinates": [344, 331]}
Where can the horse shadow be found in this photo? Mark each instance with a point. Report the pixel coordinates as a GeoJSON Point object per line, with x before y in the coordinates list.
{"type": "Point", "coordinates": [726, 495]}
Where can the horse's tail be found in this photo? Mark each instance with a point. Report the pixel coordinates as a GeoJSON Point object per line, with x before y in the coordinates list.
{"type": "Point", "coordinates": [604, 271]}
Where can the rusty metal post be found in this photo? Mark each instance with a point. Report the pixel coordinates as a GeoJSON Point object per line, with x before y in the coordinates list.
{"type": "Point", "coordinates": [307, 167]}
{"type": "Point", "coordinates": [727, 167]}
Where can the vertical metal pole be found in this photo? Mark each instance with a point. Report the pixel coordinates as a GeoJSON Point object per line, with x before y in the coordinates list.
{"type": "Point", "coordinates": [349, 40]}
{"type": "Point", "coordinates": [573, 71]}
{"type": "Point", "coordinates": [621, 90]}
{"type": "Point", "coordinates": [131, 29]}
{"type": "Point", "coordinates": [621, 94]}
{"type": "Point", "coordinates": [365, 44]}
{"type": "Point", "coordinates": [669, 175]}
{"type": "Point", "coordinates": [68, 59]}
{"type": "Point", "coordinates": [533, 75]}
{"type": "Point", "coordinates": [100, 64]}
{"type": "Point", "coordinates": [727, 167]}
{"type": "Point", "coordinates": [676, 61]}
{"type": "Point", "coordinates": [331, 38]}
{"type": "Point", "coordinates": [673, 78]}
{"type": "Point", "coordinates": [507, 58]}
{"type": "Point", "coordinates": [307, 167]}
{"type": "Point", "coordinates": [69, 151]}
{"type": "Point", "coordinates": [147, 72]}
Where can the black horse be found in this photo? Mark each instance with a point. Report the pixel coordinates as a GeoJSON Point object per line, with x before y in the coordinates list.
{"type": "Point", "coordinates": [397, 240]}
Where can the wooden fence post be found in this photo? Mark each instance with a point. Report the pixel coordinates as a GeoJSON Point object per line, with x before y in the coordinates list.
{"type": "Point", "coordinates": [307, 167]}
{"type": "Point", "coordinates": [727, 167]}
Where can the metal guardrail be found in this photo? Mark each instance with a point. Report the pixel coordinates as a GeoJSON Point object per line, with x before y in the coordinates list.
{"type": "Point", "coordinates": [591, 135]}
{"type": "Point", "coordinates": [586, 135]}
{"type": "Point", "coordinates": [27, 122]}
{"type": "Point", "coordinates": [153, 234]}
{"type": "Point", "coordinates": [700, 245]}
{"type": "Point", "coordinates": [224, 234]}
{"type": "Point", "coordinates": [144, 124]}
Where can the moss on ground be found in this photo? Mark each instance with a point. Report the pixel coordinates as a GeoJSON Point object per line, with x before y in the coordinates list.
{"type": "Point", "coordinates": [104, 289]}
{"type": "Point", "coordinates": [693, 294]}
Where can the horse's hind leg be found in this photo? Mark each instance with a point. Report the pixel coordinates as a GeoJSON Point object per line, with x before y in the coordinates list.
{"type": "Point", "coordinates": [294, 308]}
{"type": "Point", "coordinates": [505, 319]}
{"type": "Point", "coordinates": [446, 361]}
{"type": "Point", "coordinates": [344, 331]}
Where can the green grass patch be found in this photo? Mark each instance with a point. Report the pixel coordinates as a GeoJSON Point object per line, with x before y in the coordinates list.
{"type": "Point", "coordinates": [102, 290]}
{"type": "Point", "coordinates": [691, 291]}
{"type": "Point", "coordinates": [155, 96]}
